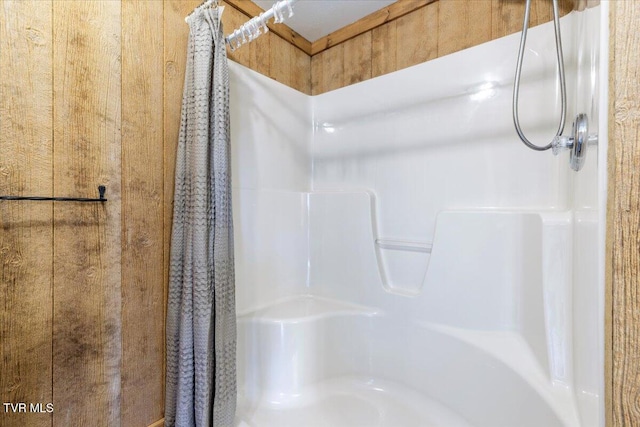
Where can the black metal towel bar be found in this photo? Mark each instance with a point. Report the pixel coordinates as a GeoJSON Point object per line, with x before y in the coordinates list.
{"type": "Point", "coordinates": [101, 190]}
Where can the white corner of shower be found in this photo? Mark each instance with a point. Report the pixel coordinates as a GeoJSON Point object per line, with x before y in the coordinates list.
{"type": "Point", "coordinates": [473, 278]}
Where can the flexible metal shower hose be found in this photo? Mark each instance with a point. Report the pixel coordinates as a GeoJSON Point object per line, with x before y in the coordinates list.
{"type": "Point", "coordinates": [516, 86]}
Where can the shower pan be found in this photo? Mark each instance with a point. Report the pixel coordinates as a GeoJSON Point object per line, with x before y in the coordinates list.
{"type": "Point", "coordinates": [403, 260]}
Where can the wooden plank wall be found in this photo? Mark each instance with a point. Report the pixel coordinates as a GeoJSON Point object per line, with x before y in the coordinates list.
{"type": "Point", "coordinates": [26, 233]}
{"type": "Point", "coordinates": [434, 30]}
{"type": "Point", "coordinates": [623, 221]}
{"type": "Point", "coordinates": [60, 120]}
{"type": "Point", "coordinates": [270, 55]}
{"type": "Point", "coordinates": [86, 261]}
{"type": "Point", "coordinates": [82, 297]}
{"type": "Point", "coordinates": [91, 94]}
{"type": "Point", "coordinates": [142, 212]}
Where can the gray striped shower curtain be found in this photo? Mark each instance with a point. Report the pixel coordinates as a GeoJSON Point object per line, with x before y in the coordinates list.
{"type": "Point", "coordinates": [201, 328]}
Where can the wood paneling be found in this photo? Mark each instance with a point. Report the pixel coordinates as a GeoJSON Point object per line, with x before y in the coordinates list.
{"type": "Point", "coordinates": [26, 249]}
{"type": "Point", "coordinates": [281, 56]}
{"type": "Point", "coordinates": [507, 15]}
{"type": "Point", "coordinates": [74, 275]}
{"type": "Point", "coordinates": [231, 20]}
{"type": "Point", "coordinates": [86, 265]}
{"type": "Point", "coordinates": [417, 36]}
{"type": "Point", "coordinates": [383, 49]}
{"type": "Point", "coordinates": [270, 54]}
{"type": "Point", "coordinates": [300, 71]}
{"type": "Point", "coordinates": [368, 23]}
{"type": "Point", "coordinates": [159, 423]}
{"type": "Point", "coordinates": [259, 53]}
{"type": "Point", "coordinates": [432, 30]}
{"type": "Point", "coordinates": [624, 214]}
{"type": "Point", "coordinates": [317, 74]}
{"type": "Point", "coordinates": [327, 70]}
{"type": "Point", "coordinates": [462, 24]}
{"type": "Point", "coordinates": [357, 59]}
{"type": "Point", "coordinates": [142, 213]}
{"type": "Point", "coordinates": [398, 44]}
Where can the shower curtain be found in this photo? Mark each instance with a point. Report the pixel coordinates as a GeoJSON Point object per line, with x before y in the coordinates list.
{"type": "Point", "coordinates": [201, 329]}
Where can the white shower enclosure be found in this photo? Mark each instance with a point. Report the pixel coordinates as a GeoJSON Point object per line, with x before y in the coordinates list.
{"type": "Point", "coordinates": [402, 259]}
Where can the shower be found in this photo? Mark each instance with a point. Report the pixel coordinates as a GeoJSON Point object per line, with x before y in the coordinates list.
{"type": "Point", "coordinates": [403, 261]}
{"type": "Point", "coordinates": [581, 137]}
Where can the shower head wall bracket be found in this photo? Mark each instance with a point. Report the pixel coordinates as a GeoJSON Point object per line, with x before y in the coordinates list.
{"type": "Point", "coordinates": [577, 143]}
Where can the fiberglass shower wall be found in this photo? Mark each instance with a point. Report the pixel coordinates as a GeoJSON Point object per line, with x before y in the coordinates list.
{"type": "Point", "coordinates": [410, 194]}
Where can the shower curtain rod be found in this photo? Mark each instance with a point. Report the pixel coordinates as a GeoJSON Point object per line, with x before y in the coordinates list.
{"type": "Point", "coordinates": [258, 25]}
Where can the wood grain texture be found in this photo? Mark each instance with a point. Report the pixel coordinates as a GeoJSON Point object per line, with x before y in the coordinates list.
{"type": "Point", "coordinates": [26, 245]}
{"type": "Point", "coordinates": [159, 423]}
{"type": "Point", "coordinates": [383, 49]}
{"type": "Point", "coordinates": [567, 6]}
{"type": "Point", "coordinates": [433, 30]}
{"type": "Point", "coordinates": [505, 18]}
{"type": "Point", "coordinates": [232, 19]}
{"type": "Point", "coordinates": [405, 33]}
{"type": "Point", "coordinates": [408, 40]}
{"type": "Point", "coordinates": [369, 22]}
{"type": "Point", "coordinates": [260, 53]}
{"type": "Point", "coordinates": [63, 267]}
{"type": "Point", "coordinates": [63, 332]}
{"type": "Point", "coordinates": [327, 70]}
{"type": "Point", "coordinates": [357, 59]}
{"type": "Point", "coordinates": [300, 71]}
{"type": "Point", "coordinates": [142, 213]}
{"type": "Point", "coordinates": [462, 24]}
{"type": "Point", "coordinates": [507, 15]}
{"type": "Point", "coordinates": [317, 74]}
{"type": "Point", "coordinates": [281, 56]}
{"type": "Point", "coordinates": [334, 68]}
{"type": "Point", "coordinates": [624, 212]}
{"type": "Point", "coordinates": [417, 36]}
{"type": "Point", "coordinates": [86, 264]}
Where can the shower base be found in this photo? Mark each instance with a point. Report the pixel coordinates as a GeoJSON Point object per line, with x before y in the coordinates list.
{"type": "Point", "coordinates": [311, 361]}
{"type": "Point", "coordinates": [351, 402]}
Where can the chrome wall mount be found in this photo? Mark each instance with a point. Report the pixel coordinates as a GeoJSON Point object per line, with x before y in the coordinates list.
{"type": "Point", "coordinates": [577, 143]}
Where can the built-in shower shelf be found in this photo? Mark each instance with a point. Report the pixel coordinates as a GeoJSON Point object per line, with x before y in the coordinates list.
{"type": "Point", "coordinates": [404, 245]}
{"type": "Point", "coordinates": [305, 308]}
{"type": "Point", "coordinates": [403, 264]}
